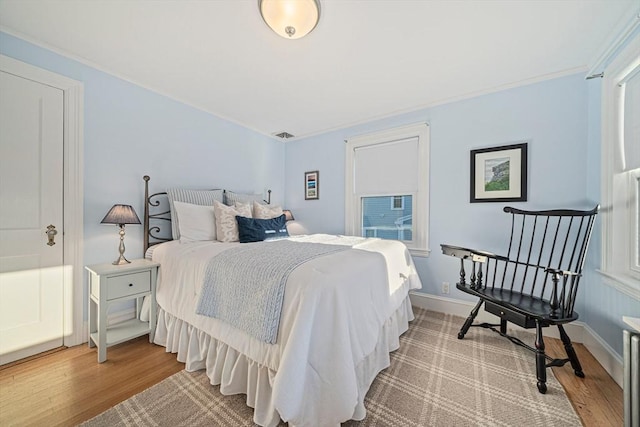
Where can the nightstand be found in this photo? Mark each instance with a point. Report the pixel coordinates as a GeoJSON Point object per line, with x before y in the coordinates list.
{"type": "Point", "coordinates": [110, 283]}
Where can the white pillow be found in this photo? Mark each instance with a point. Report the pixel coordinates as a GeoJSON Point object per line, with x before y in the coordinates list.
{"type": "Point", "coordinates": [261, 211]}
{"type": "Point", "coordinates": [226, 224]}
{"type": "Point", "coordinates": [196, 222]}
{"type": "Point", "coordinates": [194, 197]}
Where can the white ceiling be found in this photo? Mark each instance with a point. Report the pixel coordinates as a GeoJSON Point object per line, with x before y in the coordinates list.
{"type": "Point", "coordinates": [364, 60]}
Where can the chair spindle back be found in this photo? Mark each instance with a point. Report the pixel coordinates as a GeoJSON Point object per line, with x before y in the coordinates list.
{"type": "Point", "coordinates": [539, 241]}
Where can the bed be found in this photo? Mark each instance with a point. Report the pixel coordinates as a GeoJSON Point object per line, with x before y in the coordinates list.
{"type": "Point", "coordinates": [342, 312]}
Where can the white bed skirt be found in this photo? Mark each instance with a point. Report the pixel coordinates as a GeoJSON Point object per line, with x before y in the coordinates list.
{"type": "Point", "coordinates": [236, 373]}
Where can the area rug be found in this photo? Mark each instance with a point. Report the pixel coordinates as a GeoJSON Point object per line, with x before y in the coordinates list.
{"type": "Point", "coordinates": [434, 380]}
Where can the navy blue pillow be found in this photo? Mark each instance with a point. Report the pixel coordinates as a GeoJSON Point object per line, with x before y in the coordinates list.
{"type": "Point", "coordinates": [257, 230]}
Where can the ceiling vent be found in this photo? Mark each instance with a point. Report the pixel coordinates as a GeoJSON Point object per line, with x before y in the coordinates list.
{"type": "Point", "coordinates": [284, 135]}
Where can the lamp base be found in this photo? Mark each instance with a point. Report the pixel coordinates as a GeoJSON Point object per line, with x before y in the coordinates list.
{"type": "Point", "coordinates": [121, 260]}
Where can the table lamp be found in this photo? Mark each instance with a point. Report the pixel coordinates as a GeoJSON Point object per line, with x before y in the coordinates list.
{"type": "Point", "coordinates": [121, 215]}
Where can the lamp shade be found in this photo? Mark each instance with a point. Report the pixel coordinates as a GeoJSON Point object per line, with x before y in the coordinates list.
{"type": "Point", "coordinates": [288, 215]}
{"type": "Point", "coordinates": [290, 19]}
{"type": "Point", "coordinates": [121, 214]}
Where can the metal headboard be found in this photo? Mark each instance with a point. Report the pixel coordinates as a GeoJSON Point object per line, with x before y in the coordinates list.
{"type": "Point", "coordinates": [151, 233]}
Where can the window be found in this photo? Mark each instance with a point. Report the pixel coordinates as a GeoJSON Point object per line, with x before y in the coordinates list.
{"type": "Point", "coordinates": [397, 203]}
{"type": "Point", "coordinates": [387, 186]}
{"type": "Point", "coordinates": [380, 220]}
{"type": "Point", "coordinates": [621, 170]}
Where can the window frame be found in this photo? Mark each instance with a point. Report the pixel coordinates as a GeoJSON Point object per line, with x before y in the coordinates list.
{"type": "Point", "coordinates": [393, 200]}
{"type": "Point", "coordinates": [619, 213]}
{"type": "Point", "coordinates": [419, 246]}
{"type": "Point", "coordinates": [634, 220]}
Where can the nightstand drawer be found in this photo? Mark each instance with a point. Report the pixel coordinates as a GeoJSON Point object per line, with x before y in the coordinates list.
{"type": "Point", "coordinates": [128, 284]}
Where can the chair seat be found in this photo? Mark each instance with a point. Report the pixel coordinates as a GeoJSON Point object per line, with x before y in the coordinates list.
{"type": "Point", "coordinates": [527, 305]}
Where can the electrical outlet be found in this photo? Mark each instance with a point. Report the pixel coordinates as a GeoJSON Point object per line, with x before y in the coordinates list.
{"type": "Point", "coordinates": [445, 288]}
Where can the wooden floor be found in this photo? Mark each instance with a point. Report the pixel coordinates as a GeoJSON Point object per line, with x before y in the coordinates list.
{"type": "Point", "coordinates": [68, 386]}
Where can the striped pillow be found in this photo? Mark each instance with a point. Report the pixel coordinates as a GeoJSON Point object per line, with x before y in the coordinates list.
{"type": "Point", "coordinates": [195, 197]}
{"type": "Point", "coordinates": [231, 198]}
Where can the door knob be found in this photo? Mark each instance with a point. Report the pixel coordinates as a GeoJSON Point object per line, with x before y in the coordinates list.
{"type": "Point", "coordinates": [51, 234]}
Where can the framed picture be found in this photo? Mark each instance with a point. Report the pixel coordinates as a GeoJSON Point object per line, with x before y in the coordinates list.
{"type": "Point", "coordinates": [312, 185]}
{"type": "Point", "coordinates": [499, 174]}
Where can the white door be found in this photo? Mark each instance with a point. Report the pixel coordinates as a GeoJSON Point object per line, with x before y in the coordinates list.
{"type": "Point", "coordinates": [31, 199]}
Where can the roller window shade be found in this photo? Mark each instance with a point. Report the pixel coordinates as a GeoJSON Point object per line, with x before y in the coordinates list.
{"type": "Point", "coordinates": [632, 121]}
{"type": "Point", "coordinates": [387, 168]}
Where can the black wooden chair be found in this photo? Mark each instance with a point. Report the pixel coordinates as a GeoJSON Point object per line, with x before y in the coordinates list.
{"type": "Point", "coordinates": [536, 283]}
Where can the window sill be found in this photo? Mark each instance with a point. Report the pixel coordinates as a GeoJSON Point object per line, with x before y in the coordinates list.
{"type": "Point", "coordinates": [625, 284]}
{"type": "Point", "coordinates": [424, 253]}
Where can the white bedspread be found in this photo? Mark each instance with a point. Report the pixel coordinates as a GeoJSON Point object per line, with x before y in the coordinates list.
{"type": "Point", "coordinates": [333, 314]}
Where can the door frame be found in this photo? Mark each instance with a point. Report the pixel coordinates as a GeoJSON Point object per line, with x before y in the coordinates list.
{"type": "Point", "coordinates": [73, 222]}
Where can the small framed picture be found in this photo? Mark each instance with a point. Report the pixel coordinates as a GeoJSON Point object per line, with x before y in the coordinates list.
{"type": "Point", "coordinates": [499, 174]}
{"type": "Point", "coordinates": [312, 185]}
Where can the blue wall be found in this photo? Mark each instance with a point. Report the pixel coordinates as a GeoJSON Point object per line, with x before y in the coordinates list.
{"type": "Point", "coordinates": [551, 116]}
{"type": "Point", "coordinates": [560, 120]}
{"type": "Point", "coordinates": [130, 131]}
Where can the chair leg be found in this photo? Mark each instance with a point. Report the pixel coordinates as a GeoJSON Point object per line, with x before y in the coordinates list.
{"type": "Point", "coordinates": [541, 364]}
{"type": "Point", "coordinates": [469, 321]}
{"type": "Point", "coordinates": [571, 353]}
{"type": "Point", "coordinates": [503, 326]}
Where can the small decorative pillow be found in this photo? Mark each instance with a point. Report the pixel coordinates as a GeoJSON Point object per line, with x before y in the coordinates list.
{"type": "Point", "coordinates": [257, 230]}
{"type": "Point", "coordinates": [243, 207]}
{"type": "Point", "coordinates": [266, 211]}
{"type": "Point", "coordinates": [195, 197]}
{"type": "Point", "coordinates": [226, 224]}
{"type": "Point", "coordinates": [197, 223]}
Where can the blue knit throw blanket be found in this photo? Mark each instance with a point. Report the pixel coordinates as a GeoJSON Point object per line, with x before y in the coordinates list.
{"type": "Point", "coordinates": [244, 286]}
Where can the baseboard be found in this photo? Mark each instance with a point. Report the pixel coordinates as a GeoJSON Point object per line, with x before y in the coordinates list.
{"type": "Point", "coordinates": [604, 354]}
{"type": "Point", "coordinates": [85, 332]}
{"type": "Point", "coordinates": [578, 331]}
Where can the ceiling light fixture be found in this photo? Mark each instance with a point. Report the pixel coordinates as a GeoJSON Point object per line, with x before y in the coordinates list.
{"type": "Point", "coordinates": [290, 19]}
